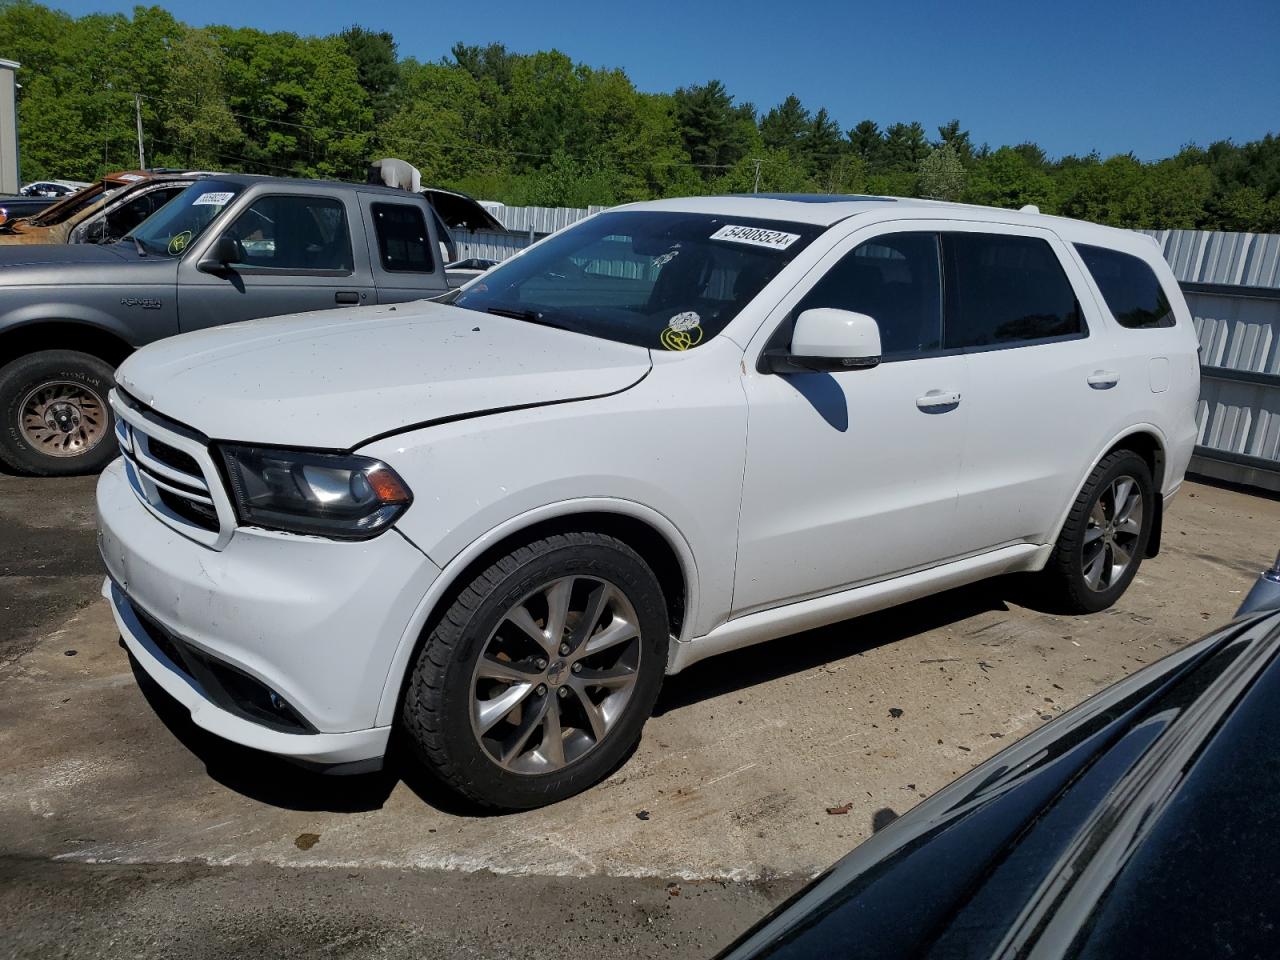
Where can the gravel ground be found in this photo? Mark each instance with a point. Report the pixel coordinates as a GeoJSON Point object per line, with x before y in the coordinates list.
{"type": "Point", "coordinates": [127, 832]}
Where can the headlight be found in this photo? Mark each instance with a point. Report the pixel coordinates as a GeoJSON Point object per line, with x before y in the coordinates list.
{"type": "Point", "coordinates": [330, 495]}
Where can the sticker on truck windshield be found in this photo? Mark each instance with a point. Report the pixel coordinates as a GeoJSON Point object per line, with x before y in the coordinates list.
{"type": "Point", "coordinates": [212, 199]}
{"type": "Point", "coordinates": [684, 321]}
{"type": "Point", "coordinates": [756, 236]}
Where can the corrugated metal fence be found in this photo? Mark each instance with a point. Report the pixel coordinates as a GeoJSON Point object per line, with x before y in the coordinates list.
{"type": "Point", "coordinates": [1232, 285]}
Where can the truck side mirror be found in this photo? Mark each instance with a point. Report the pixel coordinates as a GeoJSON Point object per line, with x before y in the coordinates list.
{"type": "Point", "coordinates": [222, 252]}
{"type": "Point", "coordinates": [827, 339]}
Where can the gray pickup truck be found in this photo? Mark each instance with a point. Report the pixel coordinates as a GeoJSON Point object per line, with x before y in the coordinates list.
{"type": "Point", "coordinates": [227, 248]}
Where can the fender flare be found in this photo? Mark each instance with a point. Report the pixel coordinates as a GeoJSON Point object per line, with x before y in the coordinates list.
{"type": "Point", "coordinates": [449, 573]}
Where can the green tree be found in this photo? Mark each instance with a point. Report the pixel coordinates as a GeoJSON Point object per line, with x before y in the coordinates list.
{"type": "Point", "coordinates": [905, 145]}
{"type": "Point", "coordinates": [1007, 178]}
{"type": "Point", "coordinates": [377, 70]}
{"type": "Point", "coordinates": [716, 132]}
{"type": "Point", "coordinates": [867, 142]}
{"type": "Point", "coordinates": [942, 174]}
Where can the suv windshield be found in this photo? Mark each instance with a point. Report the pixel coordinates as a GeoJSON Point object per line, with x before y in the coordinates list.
{"type": "Point", "coordinates": [652, 278]}
{"type": "Point", "coordinates": [173, 227]}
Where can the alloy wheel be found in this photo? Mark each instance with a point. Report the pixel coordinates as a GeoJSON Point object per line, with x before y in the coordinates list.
{"type": "Point", "coordinates": [555, 675]}
{"type": "Point", "coordinates": [1111, 535]}
{"type": "Point", "coordinates": [63, 418]}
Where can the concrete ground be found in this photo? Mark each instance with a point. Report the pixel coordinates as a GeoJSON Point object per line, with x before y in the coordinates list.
{"type": "Point", "coordinates": [125, 831]}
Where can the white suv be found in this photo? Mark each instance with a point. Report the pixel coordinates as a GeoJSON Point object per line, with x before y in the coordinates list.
{"type": "Point", "coordinates": [671, 430]}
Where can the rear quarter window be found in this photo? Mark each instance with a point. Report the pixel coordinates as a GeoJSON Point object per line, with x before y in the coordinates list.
{"type": "Point", "coordinates": [1129, 286]}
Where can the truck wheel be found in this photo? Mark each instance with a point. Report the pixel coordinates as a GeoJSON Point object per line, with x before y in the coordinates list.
{"type": "Point", "coordinates": [537, 679]}
{"type": "Point", "coordinates": [1105, 536]}
{"type": "Point", "coordinates": [56, 420]}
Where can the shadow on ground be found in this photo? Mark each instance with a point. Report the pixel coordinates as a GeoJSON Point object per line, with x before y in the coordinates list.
{"type": "Point", "coordinates": [271, 780]}
{"type": "Point", "coordinates": [741, 669]}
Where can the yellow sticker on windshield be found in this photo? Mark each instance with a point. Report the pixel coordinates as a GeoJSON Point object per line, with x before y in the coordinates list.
{"type": "Point", "coordinates": [674, 339]}
{"type": "Point", "coordinates": [179, 242]}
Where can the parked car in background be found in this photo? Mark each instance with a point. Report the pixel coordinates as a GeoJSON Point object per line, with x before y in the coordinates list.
{"type": "Point", "coordinates": [228, 248]}
{"type": "Point", "coordinates": [13, 207]}
{"type": "Point", "coordinates": [52, 189]}
{"type": "Point", "coordinates": [673, 429]}
{"type": "Point", "coordinates": [1140, 824]}
{"type": "Point", "coordinates": [101, 216]}
{"type": "Point", "coordinates": [461, 271]}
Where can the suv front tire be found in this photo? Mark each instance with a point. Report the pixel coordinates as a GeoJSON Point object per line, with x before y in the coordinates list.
{"type": "Point", "coordinates": [536, 680]}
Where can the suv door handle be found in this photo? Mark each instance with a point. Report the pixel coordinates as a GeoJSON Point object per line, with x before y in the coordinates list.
{"type": "Point", "coordinates": [934, 400]}
{"type": "Point", "coordinates": [1103, 379]}
{"type": "Point", "coordinates": [346, 296]}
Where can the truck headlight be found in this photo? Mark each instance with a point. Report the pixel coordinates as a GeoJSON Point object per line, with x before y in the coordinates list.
{"type": "Point", "coordinates": [344, 496]}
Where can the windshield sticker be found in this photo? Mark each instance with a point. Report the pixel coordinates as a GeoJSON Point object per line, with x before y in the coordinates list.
{"type": "Point", "coordinates": [179, 242]}
{"type": "Point", "coordinates": [673, 339]}
{"type": "Point", "coordinates": [756, 236]}
{"type": "Point", "coordinates": [211, 200]}
{"type": "Point", "coordinates": [683, 322]}
{"type": "Point", "coordinates": [665, 258]}
{"type": "Point", "coordinates": [129, 177]}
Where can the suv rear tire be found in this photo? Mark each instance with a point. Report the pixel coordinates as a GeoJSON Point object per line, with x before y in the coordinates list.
{"type": "Point", "coordinates": [1105, 537]}
{"type": "Point", "coordinates": [54, 416]}
{"type": "Point", "coordinates": [538, 677]}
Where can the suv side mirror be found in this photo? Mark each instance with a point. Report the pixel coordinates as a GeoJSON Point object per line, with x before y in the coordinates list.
{"type": "Point", "coordinates": [827, 339]}
{"type": "Point", "coordinates": [222, 252]}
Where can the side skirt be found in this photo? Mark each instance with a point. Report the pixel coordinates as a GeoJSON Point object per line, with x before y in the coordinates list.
{"type": "Point", "coordinates": [832, 608]}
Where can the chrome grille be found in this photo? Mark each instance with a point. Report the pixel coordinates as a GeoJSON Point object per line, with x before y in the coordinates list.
{"type": "Point", "coordinates": [172, 472]}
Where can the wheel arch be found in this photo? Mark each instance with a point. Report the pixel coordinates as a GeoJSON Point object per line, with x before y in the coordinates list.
{"type": "Point", "coordinates": [653, 536]}
{"type": "Point", "coordinates": [1148, 442]}
{"type": "Point", "coordinates": [33, 336]}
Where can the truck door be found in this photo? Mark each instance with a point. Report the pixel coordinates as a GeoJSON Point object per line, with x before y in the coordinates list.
{"type": "Point", "coordinates": [403, 247]}
{"type": "Point", "coordinates": [297, 250]}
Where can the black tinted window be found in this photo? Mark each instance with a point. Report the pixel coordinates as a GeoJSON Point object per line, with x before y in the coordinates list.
{"type": "Point", "coordinates": [1133, 294]}
{"type": "Point", "coordinates": [294, 233]}
{"type": "Point", "coordinates": [897, 280]}
{"type": "Point", "coordinates": [1005, 290]}
{"type": "Point", "coordinates": [403, 241]}
{"type": "Point", "coordinates": [121, 221]}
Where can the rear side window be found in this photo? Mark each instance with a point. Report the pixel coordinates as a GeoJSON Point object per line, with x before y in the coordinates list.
{"type": "Point", "coordinates": [895, 279]}
{"type": "Point", "coordinates": [404, 245]}
{"type": "Point", "coordinates": [1130, 287]}
{"type": "Point", "coordinates": [1004, 291]}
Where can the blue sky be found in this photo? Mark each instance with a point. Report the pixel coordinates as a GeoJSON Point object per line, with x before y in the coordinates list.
{"type": "Point", "coordinates": [1113, 76]}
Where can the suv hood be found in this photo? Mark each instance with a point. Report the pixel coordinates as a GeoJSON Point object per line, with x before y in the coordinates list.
{"type": "Point", "coordinates": [337, 379]}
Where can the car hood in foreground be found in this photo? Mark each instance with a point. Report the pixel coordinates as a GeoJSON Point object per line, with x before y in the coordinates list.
{"type": "Point", "coordinates": [340, 378]}
{"type": "Point", "coordinates": [1142, 823]}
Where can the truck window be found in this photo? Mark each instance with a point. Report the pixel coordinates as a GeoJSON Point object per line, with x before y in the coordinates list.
{"type": "Point", "coordinates": [128, 216]}
{"type": "Point", "coordinates": [286, 232]}
{"type": "Point", "coordinates": [1130, 287]}
{"type": "Point", "coordinates": [404, 245]}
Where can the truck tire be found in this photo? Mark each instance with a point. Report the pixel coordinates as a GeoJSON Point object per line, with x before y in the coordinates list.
{"type": "Point", "coordinates": [1105, 537]}
{"type": "Point", "coordinates": [538, 677]}
{"type": "Point", "coordinates": [54, 416]}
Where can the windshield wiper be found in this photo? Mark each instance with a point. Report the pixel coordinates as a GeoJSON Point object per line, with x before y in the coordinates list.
{"type": "Point", "coordinates": [142, 251]}
{"type": "Point", "coordinates": [529, 316]}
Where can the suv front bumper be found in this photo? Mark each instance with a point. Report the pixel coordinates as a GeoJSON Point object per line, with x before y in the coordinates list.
{"type": "Point", "coordinates": [277, 642]}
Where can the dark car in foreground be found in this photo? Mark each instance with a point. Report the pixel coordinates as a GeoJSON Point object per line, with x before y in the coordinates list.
{"type": "Point", "coordinates": [1143, 823]}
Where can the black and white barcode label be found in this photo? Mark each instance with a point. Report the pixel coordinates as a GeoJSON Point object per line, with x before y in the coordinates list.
{"type": "Point", "coordinates": [756, 236]}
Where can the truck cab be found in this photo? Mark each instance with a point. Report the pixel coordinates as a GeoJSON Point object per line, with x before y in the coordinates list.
{"type": "Point", "coordinates": [228, 248]}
